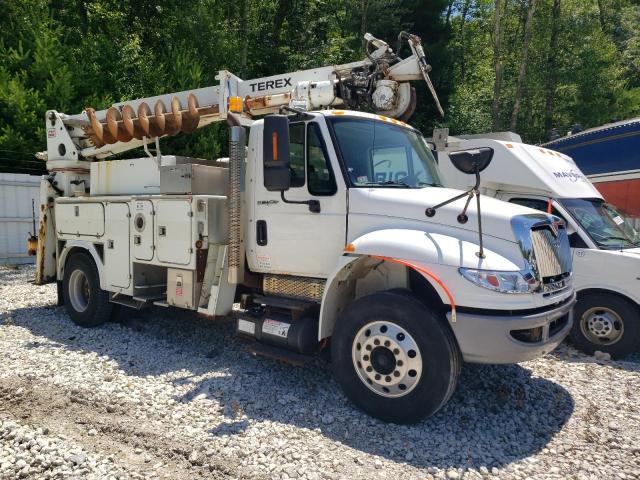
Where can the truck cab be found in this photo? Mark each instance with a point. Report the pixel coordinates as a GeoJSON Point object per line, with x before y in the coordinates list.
{"type": "Point", "coordinates": [605, 245]}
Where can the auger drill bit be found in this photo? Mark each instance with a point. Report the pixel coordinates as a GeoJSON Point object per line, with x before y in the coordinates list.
{"type": "Point", "coordinates": [124, 123]}
{"type": "Point", "coordinates": [115, 126]}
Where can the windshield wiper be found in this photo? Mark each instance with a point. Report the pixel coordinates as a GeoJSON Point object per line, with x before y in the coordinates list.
{"type": "Point", "coordinates": [395, 183]}
{"type": "Point", "coordinates": [622, 239]}
{"type": "Point", "coordinates": [430, 184]}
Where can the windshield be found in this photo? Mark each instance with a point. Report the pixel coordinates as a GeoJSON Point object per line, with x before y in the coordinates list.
{"type": "Point", "coordinates": [604, 224]}
{"type": "Point", "coordinates": [378, 153]}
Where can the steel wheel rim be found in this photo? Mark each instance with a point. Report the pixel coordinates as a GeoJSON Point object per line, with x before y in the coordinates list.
{"type": "Point", "coordinates": [387, 359]}
{"type": "Point", "coordinates": [602, 325]}
{"type": "Point", "coordinates": [79, 291]}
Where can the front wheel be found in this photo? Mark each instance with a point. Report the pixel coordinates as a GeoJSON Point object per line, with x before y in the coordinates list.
{"type": "Point", "coordinates": [394, 359]}
{"type": "Point", "coordinates": [86, 303]}
{"type": "Point", "coordinates": [607, 323]}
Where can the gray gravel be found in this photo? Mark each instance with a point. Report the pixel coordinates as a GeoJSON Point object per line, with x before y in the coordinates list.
{"type": "Point", "coordinates": [167, 394]}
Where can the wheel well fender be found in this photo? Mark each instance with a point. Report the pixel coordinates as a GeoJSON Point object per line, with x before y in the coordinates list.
{"type": "Point", "coordinates": [587, 291]}
{"type": "Point", "coordinates": [72, 247]}
{"type": "Point", "coordinates": [357, 276]}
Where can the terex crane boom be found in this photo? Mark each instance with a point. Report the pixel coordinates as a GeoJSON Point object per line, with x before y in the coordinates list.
{"type": "Point", "coordinates": [378, 83]}
{"type": "Point", "coordinates": [330, 225]}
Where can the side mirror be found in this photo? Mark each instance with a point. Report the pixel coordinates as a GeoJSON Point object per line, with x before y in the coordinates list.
{"type": "Point", "coordinates": [472, 161]}
{"type": "Point", "coordinates": [276, 155]}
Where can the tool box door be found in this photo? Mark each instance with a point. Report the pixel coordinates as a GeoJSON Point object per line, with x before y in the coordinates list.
{"type": "Point", "coordinates": [173, 231]}
{"type": "Point", "coordinates": [116, 248]}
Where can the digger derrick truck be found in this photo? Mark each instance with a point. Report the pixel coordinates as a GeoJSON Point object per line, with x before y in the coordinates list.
{"type": "Point", "coordinates": [331, 226]}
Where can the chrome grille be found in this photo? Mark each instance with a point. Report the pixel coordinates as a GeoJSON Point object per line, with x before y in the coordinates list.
{"type": "Point", "coordinates": [547, 255]}
{"type": "Point", "coordinates": [552, 252]}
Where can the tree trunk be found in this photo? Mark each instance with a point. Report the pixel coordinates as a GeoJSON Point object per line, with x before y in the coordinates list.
{"type": "Point", "coordinates": [497, 65]}
{"type": "Point", "coordinates": [243, 38]}
{"type": "Point", "coordinates": [363, 22]}
{"type": "Point", "coordinates": [283, 11]}
{"type": "Point", "coordinates": [523, 65]}
{"type": "Point", "coordinates": [449, 10]}
{"type": "Point", "coordinates": [82, 13]}
{"type": "Point", "coordinates": [552, 67]}
{"type": "Point", "coordinates": [603, 16]}
{"type": "Point", "coordinates": [463, 17]}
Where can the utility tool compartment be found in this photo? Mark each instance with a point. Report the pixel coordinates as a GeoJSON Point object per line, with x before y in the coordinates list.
{"type": "Point", "coordinates": [80, 219]}
{"type": "Point", "coordinates": [193, 179]}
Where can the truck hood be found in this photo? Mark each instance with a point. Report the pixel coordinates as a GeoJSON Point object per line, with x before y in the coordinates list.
{"type": "Point", "coordinates": [410, 204]}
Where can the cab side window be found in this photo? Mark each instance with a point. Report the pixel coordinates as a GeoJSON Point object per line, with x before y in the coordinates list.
{"type": "Point", "coordinates": [296, 148]}
{"type": "Point", "coordinates": [320, 176]}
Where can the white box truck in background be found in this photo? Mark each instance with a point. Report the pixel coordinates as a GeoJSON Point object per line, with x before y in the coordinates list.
{"type": "Point", "coordinates": [606, 247]}
{"type": "Point", "coordinates": [310, 226]}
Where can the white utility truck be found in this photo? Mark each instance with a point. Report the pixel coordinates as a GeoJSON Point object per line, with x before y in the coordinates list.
{"type": "Point", "coordinates": [606, 253]}
{"type": "Point", "coordinates": [308, 227]}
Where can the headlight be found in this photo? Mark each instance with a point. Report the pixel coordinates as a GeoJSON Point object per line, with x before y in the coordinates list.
{"type": "Point", "coordinates": [503, 282]}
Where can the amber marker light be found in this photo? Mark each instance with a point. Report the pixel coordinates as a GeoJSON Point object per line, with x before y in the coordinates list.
{"type": "Point", "coordinates": [235, 104]}
{"type": "Point", "coordinates": [274, 146]}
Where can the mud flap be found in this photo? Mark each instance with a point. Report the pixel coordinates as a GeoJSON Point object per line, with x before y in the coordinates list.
{"type": "Point", "coordinates": [60, 295]}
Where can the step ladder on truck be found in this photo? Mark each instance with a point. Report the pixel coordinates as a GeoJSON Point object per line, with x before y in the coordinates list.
{"type": "Point", "coordinates": [605, 244]}
{"type": "Point", "coordinates": [308, 227]}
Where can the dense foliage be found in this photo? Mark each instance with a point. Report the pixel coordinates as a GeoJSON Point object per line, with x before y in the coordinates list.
{"type": "Point", "coordinates": [555, 62]}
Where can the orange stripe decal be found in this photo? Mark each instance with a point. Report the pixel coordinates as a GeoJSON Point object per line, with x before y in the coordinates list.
{"type": "Point", "coordinates": [425, 273]}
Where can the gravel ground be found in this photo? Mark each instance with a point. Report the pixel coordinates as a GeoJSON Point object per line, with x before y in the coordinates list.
{"type": "Point", "coordinates": [164, 394]}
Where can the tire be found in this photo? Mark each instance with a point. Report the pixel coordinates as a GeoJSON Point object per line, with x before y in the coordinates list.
{"type": "Point", "coordinates": [86, 303]}
{"type": "Point", "coordinates": [405, 380]}
{"type": "Point", "coordinates": [607, 323]}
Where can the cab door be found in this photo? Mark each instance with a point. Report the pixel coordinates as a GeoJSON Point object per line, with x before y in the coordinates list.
{"type": "Point", "coordinates": [287, 238]}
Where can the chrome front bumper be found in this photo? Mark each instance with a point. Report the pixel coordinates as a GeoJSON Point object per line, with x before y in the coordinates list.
{"type": "Point", "coordinates": [512, 338]}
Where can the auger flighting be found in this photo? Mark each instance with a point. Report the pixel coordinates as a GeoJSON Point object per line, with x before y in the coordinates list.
{"type": "Point", "coordinates": [125, 124]}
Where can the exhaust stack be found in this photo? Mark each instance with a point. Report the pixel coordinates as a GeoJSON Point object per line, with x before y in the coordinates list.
{"type": "Point", "coordinates": [237, 143]}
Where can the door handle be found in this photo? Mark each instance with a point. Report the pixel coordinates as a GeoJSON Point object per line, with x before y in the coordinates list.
{"type": "Point", "coordinates": [261, 232]}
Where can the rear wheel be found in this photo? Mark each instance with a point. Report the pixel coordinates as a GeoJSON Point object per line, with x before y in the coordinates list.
{"type": "Point", "coordinates": [394, 359]}
{"type": "Point", "coordinates": [607, 323]}
{"type": "Point", "coordinates": [86, 303]}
